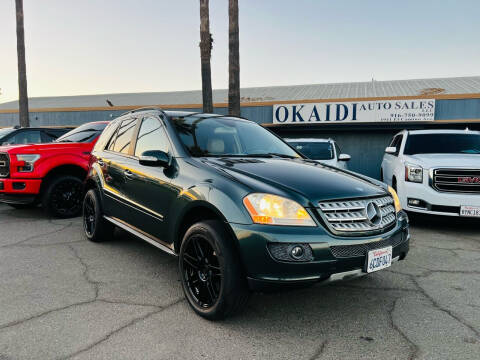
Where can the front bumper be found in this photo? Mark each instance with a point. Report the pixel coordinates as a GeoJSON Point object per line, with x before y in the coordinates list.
{"type": "Point", "coordinates": [264, 271]}
{"type": "Point", "coordinates": [19, 191]}
{"type": "Point", "coordinates": [434, 202]}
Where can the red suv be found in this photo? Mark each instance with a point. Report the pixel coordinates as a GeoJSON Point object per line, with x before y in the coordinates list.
{"type": "Point", "coordinates": [51, 174]}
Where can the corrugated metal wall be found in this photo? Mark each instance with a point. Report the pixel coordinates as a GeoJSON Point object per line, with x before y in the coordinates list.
{"type": "Point", "coordinates": [365, 146]}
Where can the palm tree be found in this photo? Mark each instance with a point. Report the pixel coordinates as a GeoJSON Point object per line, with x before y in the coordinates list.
{"type": "Point", "coordinates": [22, 69]}
{"type": "Point", "coordinates": [233, 59]}
{"type": "Point", "coordinates": [206, 42]}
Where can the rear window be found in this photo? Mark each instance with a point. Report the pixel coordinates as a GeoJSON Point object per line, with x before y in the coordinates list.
{"type": "Point", "coordinates": [442, 144]}
{"type": "Point", "coordinates": [5, 132]}
{"type": "Point", "coordinates": [314, 150]}
{"type": "Point", "coordinates": [84, 133]}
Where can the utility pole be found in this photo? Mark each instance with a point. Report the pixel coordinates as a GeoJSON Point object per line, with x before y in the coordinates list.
{"type": "Point", "coordinates": [233, 59]}
{"type": "Point", "coordinates": [22, 68]}
{"type": "Point", "coordinates": [206, 42]}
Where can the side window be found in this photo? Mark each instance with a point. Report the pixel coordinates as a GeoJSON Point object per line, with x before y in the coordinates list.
{"type": "Point", "coordinates": [48, 136]}
{"type": "Point", "coordinates": [392, 143]}
{"type": "Point", "coordinates": [337, 149]}
{"type": "Point", "coordinates": [25, 137]}
{"type": "Point", "coordinates": [151, 136]}
{"type": "Point", "coordinates": [398, 144]}
{"type": "Point", "coordinates": [124, 137]}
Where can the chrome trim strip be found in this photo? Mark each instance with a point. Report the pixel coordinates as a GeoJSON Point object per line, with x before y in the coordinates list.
{"type": "Point", "coordinates": [352, 274]}
{"type": "Point", "coordinates": [433, 183]}
{"type": "Point", "coordinates": [138, 233]}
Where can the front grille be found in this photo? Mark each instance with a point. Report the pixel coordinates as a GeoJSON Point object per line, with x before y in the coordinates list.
{"type": "Point", "coordinates": [344, 251]}
{"type": "Point", "coordinates": [456, 180]}
{"type": "Point", "coordinates": [4, 165]}
{"type": "Point", "coordinates": [351, 216]}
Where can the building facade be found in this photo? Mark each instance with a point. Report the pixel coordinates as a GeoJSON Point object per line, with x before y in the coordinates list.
{"type": "Point", "coordinates": [362, 117]}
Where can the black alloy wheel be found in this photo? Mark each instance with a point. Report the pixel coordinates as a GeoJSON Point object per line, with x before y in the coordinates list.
{"type": "Point", "coordinates": [89, 216]}
{"type": "Point", "coordinates": [96, 227]}
{"type": "Point", "coordinates": [202, 271]}
{"type": "Point", "coordinates": [212, 275]}
{"type": "Point", "coordinates": [67, 197]}
{"type": "Point", "coordinates": [63, 196]}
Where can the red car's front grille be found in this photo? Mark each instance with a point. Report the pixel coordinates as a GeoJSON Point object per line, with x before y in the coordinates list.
{"type": "Point", "coordinates": [4, 165]}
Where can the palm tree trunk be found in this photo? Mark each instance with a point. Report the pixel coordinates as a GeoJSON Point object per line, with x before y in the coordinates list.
{"type": "Point", "coordinates": [233, 60]}
{"type": "Point", "coordinates": [205, 55]}
{"type": "Point", "coordinates": [22, 68]}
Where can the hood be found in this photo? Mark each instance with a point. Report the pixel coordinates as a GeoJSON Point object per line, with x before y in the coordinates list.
{"type": "Point", "coordinates": [33, 148]}
{"type": "Point", "coordinates": [316, 182]}
{"type": "Point", "coordinates": [428, 161]}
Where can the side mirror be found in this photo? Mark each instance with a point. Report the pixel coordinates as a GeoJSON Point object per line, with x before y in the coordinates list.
{"type": "Point", "coordinates": [391, 150]}
{"type": "Point", "coordinates": [344, 157]}
{"type": "Point", "coordinates": [154, 158]}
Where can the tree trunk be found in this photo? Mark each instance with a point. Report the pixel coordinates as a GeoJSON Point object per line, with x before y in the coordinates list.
{"type": "Point", "coordinates": [233, 59]}
{"type": "Point", "coordinates": [22, 68]}
{"type": "Point", "coordinates": [205, 55]}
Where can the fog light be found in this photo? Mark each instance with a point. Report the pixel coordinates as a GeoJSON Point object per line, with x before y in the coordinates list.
{"type": "Point", "coordinates": [297, 252]}
{"type": "Point", "coordinates": [417, 203]}
{"type": "Point", "coordinates": [291, 252]}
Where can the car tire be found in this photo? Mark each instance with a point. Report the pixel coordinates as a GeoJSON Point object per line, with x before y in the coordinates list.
{"type": "Point", "coordinates": [96, 228]}
{"type": "Point", "coordinates": [213, 280]}
{"type": "Point", "coordinates": [63, 197]}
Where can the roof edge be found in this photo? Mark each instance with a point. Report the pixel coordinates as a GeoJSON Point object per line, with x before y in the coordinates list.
{"type": "Point", "coordinates": [253, 104]}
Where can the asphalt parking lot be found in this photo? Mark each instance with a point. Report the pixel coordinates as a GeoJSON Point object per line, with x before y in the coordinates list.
{"type": "Point", "coordinates": [63, 297]}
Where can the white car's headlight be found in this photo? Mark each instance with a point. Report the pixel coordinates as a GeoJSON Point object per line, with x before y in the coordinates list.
{"type": "Point", "coordinates": [29, 160]}
{"type": "Point", "coordinates": [413, 173]}
{"type": "Point", "coordinates": [276, 210]}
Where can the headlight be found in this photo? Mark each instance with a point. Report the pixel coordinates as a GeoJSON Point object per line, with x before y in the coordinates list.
{"type": "Point", "coordinates": [413, 173]}
{"type": "Point", "coordinates": [396, 200]}
{"type": "Point", "coordinates": [29, 160]}
{"type": "Point", "coordinates": [276, 210]}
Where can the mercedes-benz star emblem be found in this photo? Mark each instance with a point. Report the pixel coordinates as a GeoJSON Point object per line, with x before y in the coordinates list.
{"type": "Point", "coordinates": [374, 214]}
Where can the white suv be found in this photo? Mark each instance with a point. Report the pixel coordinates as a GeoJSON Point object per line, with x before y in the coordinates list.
{"type": "Point", "coordinates": [435, 171]}
{"type": "Point", "coordinates": [325, 151]}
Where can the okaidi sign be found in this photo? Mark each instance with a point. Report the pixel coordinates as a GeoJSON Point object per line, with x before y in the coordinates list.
{"type": "Point", "coordinates": [361, 111]}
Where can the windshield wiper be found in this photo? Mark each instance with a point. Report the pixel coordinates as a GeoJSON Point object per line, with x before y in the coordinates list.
{"type": "Point", "coordinates": [240, 155]}
{"type": "Point", "coordinates": [284, 156]}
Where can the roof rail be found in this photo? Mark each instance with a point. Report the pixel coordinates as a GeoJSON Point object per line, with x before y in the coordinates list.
{"type": "Point", "coordinates": [142, 109]}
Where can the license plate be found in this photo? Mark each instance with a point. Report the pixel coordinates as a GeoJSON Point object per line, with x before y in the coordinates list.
{"type": "Point", "coordinates": [470, 211]}
{"type": "Point", "coordinates": [379, 259]}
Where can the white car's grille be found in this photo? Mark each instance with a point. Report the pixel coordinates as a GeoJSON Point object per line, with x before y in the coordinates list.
{"type": "Point", "coordinates": [363, 215]}
{"type": "Point", "coordinates": [457, 180]}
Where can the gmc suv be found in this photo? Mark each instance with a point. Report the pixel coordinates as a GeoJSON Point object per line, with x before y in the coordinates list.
{"type": "Point", "coordinates": [435, 171]}
{"type": "Point", "coordinates": [240, 208]}
{"type": "Point", "coordinates": [51, 174]}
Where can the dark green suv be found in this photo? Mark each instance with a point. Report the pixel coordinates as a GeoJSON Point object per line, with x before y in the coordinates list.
{"type": "Point", "coordinates": [240, 208]}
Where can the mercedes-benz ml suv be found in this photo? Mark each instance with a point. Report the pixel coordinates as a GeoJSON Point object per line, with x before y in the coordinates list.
{"type": "Point", "coordinates": [240, 208]}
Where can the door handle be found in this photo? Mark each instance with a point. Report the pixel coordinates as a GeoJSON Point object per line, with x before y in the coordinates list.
{"type": "Point", "coordinates": [128, 174]}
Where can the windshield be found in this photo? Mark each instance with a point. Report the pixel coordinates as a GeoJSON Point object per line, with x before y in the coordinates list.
{"type": "Point", "coordinates": [229, 137]}
{"type": "Point", "coordinates": [5, 132]}
{"type": "Point", "coordinates": [83, 134]}
{"type": "Point", "coordinates": [442, 144]}
{"type": "Point", "coordinates": [314, 150]}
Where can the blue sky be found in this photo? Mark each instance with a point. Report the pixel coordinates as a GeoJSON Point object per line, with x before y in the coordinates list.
{"type": "Point", "coordinates": [86, 47]}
